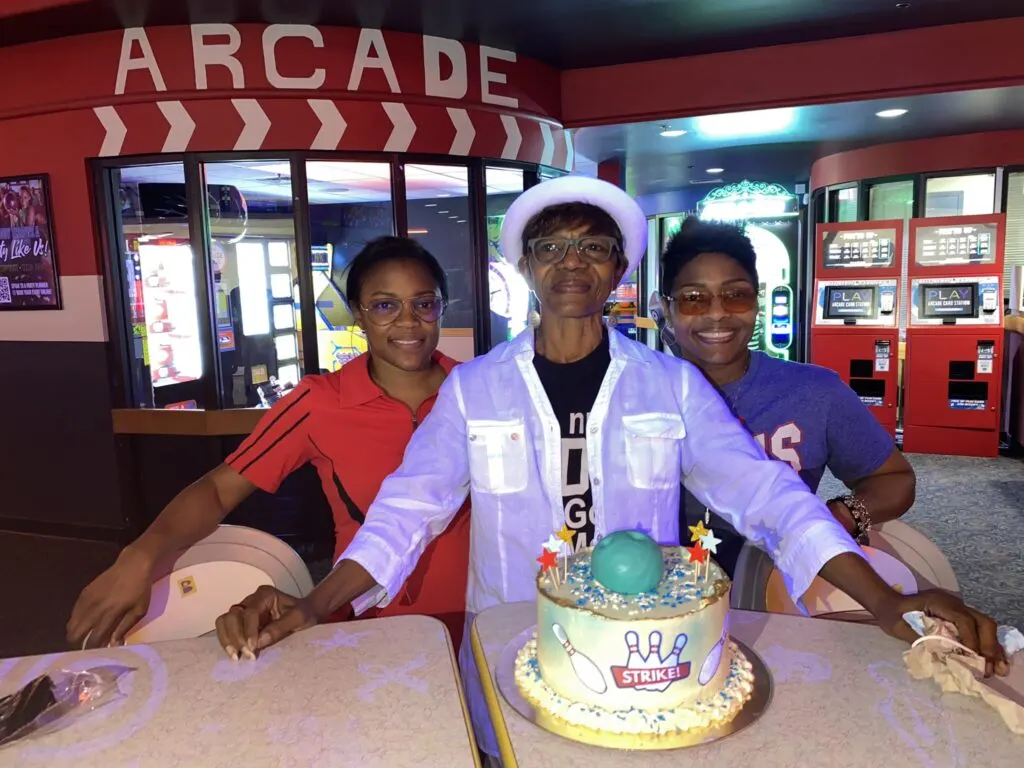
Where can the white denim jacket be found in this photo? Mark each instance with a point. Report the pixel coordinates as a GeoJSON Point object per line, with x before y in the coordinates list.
{"type": "Point", "coordinates": [656, 422]}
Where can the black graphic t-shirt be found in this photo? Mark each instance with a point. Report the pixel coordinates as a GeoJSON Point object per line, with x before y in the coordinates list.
{"type": "Point", "coordinates": [572, 389]}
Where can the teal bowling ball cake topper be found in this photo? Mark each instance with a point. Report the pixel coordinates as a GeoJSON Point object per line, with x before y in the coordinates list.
{"type": "Point", "coordinates": [627, 562]}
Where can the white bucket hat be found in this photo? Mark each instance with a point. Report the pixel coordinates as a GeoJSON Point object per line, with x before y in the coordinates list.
{"type": "Point", "coordinates": [577, 189]}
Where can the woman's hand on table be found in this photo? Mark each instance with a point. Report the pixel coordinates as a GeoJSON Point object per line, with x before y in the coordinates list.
{"type": "Point", "coordinates": [265, 617]}
{"type": "Point", "coordinates": [113, 602]}
{"type": "Point", "coordinates": [976, 630]}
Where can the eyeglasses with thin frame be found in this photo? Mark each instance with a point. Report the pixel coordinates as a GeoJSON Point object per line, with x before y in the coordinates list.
{"type": "Point", "coordinates": [386, 311]}
{"type": "Point", "coordinates": [694, 301]}
{"type": "Point", "coordinates": [593, 249]}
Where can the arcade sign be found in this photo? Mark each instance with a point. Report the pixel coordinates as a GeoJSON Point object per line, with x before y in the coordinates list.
{"type": "Point", "coordinates": [748, 200]}
{"type": "Point", "coordinates": [218, 49]}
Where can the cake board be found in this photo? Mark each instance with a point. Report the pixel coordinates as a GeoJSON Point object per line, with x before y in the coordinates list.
{"type": "Point", "coordinates": [756, 706]}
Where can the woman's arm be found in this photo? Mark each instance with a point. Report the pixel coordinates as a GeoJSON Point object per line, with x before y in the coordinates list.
{"type": "Point", "coordinates": [862, 455]}
{"type": "Point", "coordinates": [110, 606]}
{"type": "Point", "coordinates": [414, 506]}
{"type": "Point", "coordinates": [767, 502]}
{"type": "Point", "coordinates": [887, 493]}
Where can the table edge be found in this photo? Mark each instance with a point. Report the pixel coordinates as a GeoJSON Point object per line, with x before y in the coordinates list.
{"type": "Point", "coordinates": [491, 696]}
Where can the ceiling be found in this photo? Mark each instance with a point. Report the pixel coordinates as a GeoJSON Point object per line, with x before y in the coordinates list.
{"type": "Point", "coordinates": [333, 182]}
{"type": "Point", "coordinates": [562, 33]}
{"type": "Point", "coordinates": [781, 145]}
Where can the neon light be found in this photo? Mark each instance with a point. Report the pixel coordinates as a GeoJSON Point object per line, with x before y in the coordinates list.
{"type": "Point", "coordinates": [747, 200]}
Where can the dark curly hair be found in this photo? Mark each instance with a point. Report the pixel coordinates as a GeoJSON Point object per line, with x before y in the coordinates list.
{"type": "Point", "coordinates": [384, 250]}
{"type": "Point", "coordinates": [696, 237]}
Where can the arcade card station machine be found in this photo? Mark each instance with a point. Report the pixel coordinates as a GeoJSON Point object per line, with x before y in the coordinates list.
{"type": "Point", "coordinates": [855, 328]}
{"type": "Point", "coordinates": [953, 375]}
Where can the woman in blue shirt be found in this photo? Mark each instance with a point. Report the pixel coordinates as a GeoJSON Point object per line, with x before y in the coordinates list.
{"type": "Point", "coordinates": [803, 415]}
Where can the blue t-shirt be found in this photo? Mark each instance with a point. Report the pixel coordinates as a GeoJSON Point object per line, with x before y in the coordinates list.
{"type": "Point", "coordinates": [806, 416]}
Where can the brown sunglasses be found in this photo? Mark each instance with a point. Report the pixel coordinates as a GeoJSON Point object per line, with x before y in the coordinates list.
{"type": "Point", "coordinates": [698, 302]}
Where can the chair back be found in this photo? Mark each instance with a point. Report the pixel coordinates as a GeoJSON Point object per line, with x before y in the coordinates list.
{"type": "Point", "coordinates": [192, 589]}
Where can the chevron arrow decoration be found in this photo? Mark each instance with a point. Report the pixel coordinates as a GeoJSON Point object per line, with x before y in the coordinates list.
{"type": "Point", "coordinates": [114, 131]}
{"type": "Point", "coordinates": [513, 137]}
{"type": "Point", "coordinates": [332, 124]}
{"type": "Point", "coordinates": [570, 151]}
{"type": "Point", "coordinates": [182, 126]}
{"type": "Point", "coordinates": [549, 144]}
{"type": "Point", "coordinates": [464, 131]}
{"type": "Point", "coordinates": [255, 124]}
{"type": "Point", "coordinates": [403, 127]}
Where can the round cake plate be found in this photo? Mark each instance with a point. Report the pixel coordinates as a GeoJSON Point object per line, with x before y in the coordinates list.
{"type": "Point", "coordinates": [760, 698]}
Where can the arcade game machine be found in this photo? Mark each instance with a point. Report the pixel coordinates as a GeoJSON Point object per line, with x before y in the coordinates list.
{"type": "Point", "coordinates": [509, 292]}
{"type": "Point", "coordinates": [770, 217]}
{"type": "Point", "coordinates": [338, 338]}
{"type": "Point", "coordinates": [855, 327]}
{"type": "Point", "coordinates": [953, 373]}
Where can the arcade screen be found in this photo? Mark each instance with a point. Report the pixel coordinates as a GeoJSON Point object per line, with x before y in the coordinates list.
{"type": "Point", "coordinates": [669, 227]}
{"type": "Point", "coordinates": [942, 300]}
{"type": "Point", "coordinates": [859, 248]}
{"type": "Point", "coordinates": [961, 244]}
{"type": "Point", "coordinates": [776, 243]}
{"type": "Point", "coordinates": [850, 301]}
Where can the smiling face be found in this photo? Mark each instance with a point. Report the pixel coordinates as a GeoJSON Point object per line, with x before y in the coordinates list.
{"type": "Point", "coordinates": [719, 337]}
{"type": "Point", "coordinates": [408, 342]}
{"type": "Point", "coordinates": [573, 287]}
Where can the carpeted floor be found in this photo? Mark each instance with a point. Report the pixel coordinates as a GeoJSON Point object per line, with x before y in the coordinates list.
{"type": "Point", "coordinates": [973, 509]}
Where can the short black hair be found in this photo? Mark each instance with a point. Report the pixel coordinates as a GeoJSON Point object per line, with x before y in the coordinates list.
{"type": "Point", "coordinates": [696, 237]}
{"type": "Point", "coordinates": [384, 250]}
{"type": "Point", "coordinates": [571, 216]}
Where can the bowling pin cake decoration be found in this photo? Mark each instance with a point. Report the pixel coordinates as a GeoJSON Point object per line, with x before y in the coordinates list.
{"type": "Point", "coordinates": [587, 672]}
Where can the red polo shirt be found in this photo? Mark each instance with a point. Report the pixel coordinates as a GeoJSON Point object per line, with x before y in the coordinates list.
{"type": "Point", "coordinates": [355, 436]}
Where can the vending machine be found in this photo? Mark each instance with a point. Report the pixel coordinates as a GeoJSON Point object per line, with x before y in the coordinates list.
{"type": "Point", "coordinates": [953, 374]}
{"type": "Point", "coordinates": [855, 327]}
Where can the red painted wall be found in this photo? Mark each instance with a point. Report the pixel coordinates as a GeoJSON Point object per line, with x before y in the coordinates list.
{"type": "Point", "coordinates": [955, 57]}
{"type": "Point", "coordinates": [948, 153]}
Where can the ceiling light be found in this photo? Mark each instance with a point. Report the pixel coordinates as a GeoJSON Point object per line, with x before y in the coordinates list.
{"type": "Point", "coordinates": [671, 133]}
{"type": "Point", "coordinates": [430, 205]}
{"type": "Point", "coordinates": [453, 217]}
{"type": "Point", "coordinates": [891, 113]}
{"type": "Point", "coordinates": [461, 221]}
{"type": "Point", "coordinates": [442, 211]}
{"type": "Point", "coordinates": [760, 123]}
{"type": "Point", "coordinates": [715, 170]}
{"type": "Point", "coordinates": [902, 6]}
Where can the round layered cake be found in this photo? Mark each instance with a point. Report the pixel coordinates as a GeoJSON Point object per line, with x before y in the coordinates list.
{"type": "Point", "coordinates": [652, 663]}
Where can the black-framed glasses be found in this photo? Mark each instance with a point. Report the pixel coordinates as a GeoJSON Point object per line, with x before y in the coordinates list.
{"type": "Point", "coordinates": [698, 301]}
{"type": "Point", "coordinates": [386, 311]}
{"type": "Point", "coordinates": [593, 249]}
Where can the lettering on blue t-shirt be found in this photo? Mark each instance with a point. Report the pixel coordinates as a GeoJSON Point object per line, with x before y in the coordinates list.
{"type": "Point", "coordinates": [806, 416]}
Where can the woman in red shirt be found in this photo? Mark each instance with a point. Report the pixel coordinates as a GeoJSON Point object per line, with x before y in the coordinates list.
{"type": "Point", "coordinates": [352, 425]}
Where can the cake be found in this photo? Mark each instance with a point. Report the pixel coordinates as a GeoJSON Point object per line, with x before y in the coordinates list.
{"type": "Point", "coordinates": [644, 657]}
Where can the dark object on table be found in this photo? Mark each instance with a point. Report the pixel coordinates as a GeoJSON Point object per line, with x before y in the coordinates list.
{"type": "Point", "coordinates": [22, 709]}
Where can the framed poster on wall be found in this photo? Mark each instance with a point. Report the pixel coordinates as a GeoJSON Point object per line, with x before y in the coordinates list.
{"type": "Point", "coordinates": [28, 259]}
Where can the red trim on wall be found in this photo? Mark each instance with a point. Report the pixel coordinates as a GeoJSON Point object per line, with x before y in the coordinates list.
{"type": "Point", "coordinates": [971, 150]}
{"type": "Point", "coordinates": [612, 172]}
{"type": "Point", "coordinates": [67, 110]}
{"type": "Point", "coordinates": [955, 57]}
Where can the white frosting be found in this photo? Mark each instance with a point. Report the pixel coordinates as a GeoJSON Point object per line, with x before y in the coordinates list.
{"type": "Point", "coordinates": [659, 650]}
{"type": "Point", "coordinates": [706, 713]}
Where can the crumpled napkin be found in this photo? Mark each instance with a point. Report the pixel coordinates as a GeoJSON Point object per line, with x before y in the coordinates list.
{"type": "Point", "coordinates": [938, 654]}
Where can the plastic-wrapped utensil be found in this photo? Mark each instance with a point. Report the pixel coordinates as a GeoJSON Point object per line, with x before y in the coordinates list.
{"type": "Point", "coordinates": [53, 701]}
